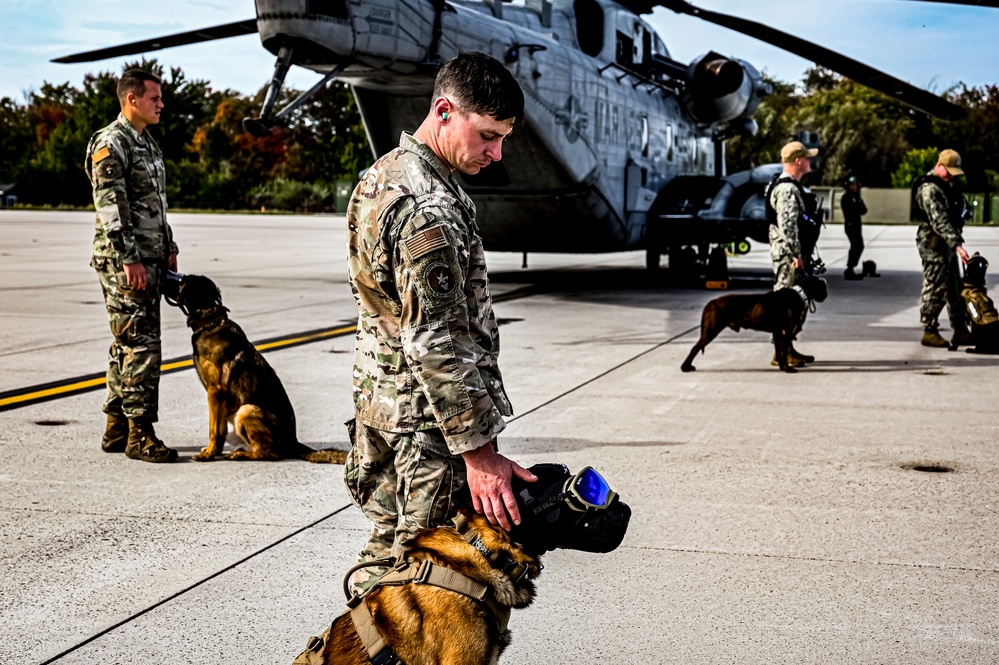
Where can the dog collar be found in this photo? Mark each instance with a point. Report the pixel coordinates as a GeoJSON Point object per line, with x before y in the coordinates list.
{"type": "Point", "coordinates": [501, 562]}
{"type": "Point", "coordinates": [801, 292]}
{"type": "Point", "coordinates": [202, 319]}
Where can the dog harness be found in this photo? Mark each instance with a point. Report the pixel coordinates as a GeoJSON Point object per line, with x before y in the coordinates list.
{"type": "Point", "coordinates": [416, 572]}
{"type": "Point", "coordinates": [809, 303]}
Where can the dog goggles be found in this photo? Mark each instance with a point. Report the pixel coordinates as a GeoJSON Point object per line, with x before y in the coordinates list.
{"type": "Point", "coordinates": [171, 287]}
{"type": "Point", "coordinates": [590, 489]}
{"type": "Point", "coordinates": [587, 489]}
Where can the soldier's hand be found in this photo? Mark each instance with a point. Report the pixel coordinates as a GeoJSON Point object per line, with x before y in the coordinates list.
{"type": "Point", "coordinates": [798, 263]}
{"type": "Point", "coordinates": [135, 275]}
{"type": "Point", "coordinates": [963, 253]}
{"type": "Point", "coordinates": [489, 475]}
{"type": "Point", "coordinates": [172, 263]}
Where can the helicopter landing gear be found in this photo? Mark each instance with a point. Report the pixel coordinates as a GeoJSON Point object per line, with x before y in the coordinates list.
{"type": "Point", "coordinates": [652, 258]}
{"type": "Point", "coordinates": [261, 127]}
{"type": "Point", "coordinates": [690, 266]}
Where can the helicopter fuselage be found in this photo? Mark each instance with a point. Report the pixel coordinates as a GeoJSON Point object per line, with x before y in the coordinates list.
{"type": "Point", "coordinates": [603, 134]}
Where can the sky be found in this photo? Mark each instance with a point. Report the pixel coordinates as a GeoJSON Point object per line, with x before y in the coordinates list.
{"type": "Point", "coordinates": [930, 45]}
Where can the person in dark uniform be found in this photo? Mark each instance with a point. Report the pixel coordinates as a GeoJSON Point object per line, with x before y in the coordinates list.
{"type": "Point", "coordinates": [853, 209]}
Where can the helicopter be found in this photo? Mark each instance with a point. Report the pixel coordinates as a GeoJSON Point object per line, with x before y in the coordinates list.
{"type": "Point", "coordinates": [622, 148]}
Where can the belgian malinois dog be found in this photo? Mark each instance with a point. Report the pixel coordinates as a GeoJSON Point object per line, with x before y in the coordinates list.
{"type": "Point", "coordinates": [242, 388]}
{"type": "Point", "coordinates": [421, 623]}
{"type": "Point", "coordinates": [777, 312]}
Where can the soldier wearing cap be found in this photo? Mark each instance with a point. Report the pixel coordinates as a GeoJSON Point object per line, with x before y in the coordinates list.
{"type": "Point", "coordinates": [429, 400]}
{"type": "Point", "coordinates": [133, 245]}
{"type": "Point", "coordinates": [786, 209]}
{"type": "Point", "coordinates": [938, 207]}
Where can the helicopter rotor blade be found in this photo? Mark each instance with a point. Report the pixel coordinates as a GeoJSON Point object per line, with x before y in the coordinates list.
{"type": "Point", "coordinates": [906, 93]}
{"type": "Point", "coordinates": [970, 3]}
{"type": "Point", "coordinates": [193, 37]}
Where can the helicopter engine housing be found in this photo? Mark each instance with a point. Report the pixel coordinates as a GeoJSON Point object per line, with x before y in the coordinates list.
{"type": "Point", "coordinates": [720, 89]}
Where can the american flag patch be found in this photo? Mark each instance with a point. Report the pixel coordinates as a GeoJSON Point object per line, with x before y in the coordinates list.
{"type": "Point", "coordinates": [428, 241]}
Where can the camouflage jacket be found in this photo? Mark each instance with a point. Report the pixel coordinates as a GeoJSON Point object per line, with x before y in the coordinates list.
{"type": "Point", "coordinates": [427, 341]}
{"type": "Point", "coordinates": [980, 307]}
{"type": "Point", "coordinates": [938, 235]}
{"type": "Point", "coordinates": [128, 178]}
{"type": "Point", "coordinates": [786, 200]}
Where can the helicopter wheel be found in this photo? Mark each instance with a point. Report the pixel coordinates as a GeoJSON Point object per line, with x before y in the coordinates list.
{"type": "Point", "coordinates": [652, 258]}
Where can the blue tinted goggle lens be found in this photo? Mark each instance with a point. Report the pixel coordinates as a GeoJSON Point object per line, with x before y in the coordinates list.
{"type": "Point", "coordinates": [591, 487]}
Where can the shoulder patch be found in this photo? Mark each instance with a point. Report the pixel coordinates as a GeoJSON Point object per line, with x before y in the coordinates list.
{"type": "Point", "coordinates": [101, 154]}
{"type": "Point", "coordinates": [426, 242]}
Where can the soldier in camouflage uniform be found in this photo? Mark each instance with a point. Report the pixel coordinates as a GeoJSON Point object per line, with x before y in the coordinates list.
{"type": "Point", "coordinates": [937, 206]}
{"type": "Point", "coordinates": [133, 245]}
{"type": "Point", "coordinates": [428, 395]}
{"type": "Point", "coordinates": [786, 210]}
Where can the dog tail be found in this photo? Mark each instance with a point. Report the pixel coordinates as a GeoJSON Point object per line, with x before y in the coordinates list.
{"type": "Point", "coordinates": [324, 456]}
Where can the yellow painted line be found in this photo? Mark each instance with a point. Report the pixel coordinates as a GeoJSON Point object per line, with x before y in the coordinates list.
{"type": "Point", "coordinates": [86, 384]}
{"type": "Point", "coordinates": [38, 394]}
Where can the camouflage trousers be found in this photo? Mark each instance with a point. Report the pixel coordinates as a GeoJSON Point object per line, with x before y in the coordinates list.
{"type": "Point", "coordinates": [786, 276]}
{"type": "Point", "coordinates": [941, 285]}
{"type": "Point", "coordinates": [402, 483]}
{"type": "Point", "coordinates": [133, 376]}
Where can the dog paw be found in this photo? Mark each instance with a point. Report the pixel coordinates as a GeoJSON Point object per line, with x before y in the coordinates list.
{"type": "Point", "coordinates": [687, 368]}
{"type": "Point", "coordinates": [791, 370]}
{"type": "Point", "coordinates": [203, 456]}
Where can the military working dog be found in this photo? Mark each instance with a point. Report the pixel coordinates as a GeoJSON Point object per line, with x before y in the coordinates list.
{"type": "Point", "coordinates": [777, 312]}
{"type": "Point", "coordinates": [242, 388]}
{"type": "Point", "coordinates": [449, 597]}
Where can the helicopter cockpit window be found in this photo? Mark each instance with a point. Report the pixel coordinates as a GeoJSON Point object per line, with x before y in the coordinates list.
{"type": "Point", "coordinates": [332, 8]}
{"type": "Point", "coordinates": [589, 26]}
{"type": "Point", "coordinates": [625, 54]}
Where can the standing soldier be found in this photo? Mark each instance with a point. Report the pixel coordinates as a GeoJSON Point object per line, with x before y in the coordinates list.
{"type": "Point", "coordinates": [785, 204]}
{"type": "Point", "coordinates": [133, 245]}
{"type": "Point", "coordinates": [853, 209]}
{"type": "Point", "coordinates": [938, 207]}
{"type": "Point", "coordinates": [428, 396]}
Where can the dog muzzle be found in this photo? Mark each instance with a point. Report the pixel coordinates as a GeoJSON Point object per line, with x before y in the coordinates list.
{"type": "Point", "coordinates": [170, 287]}
{"type": "Point", "coordinates": [578, 511]}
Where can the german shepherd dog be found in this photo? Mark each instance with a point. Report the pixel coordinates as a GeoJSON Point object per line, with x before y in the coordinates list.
{"type": "Point", "coordinates": [242, 388]}
{"type": "Point", "coordinates": [777, 312]}
{"type": "Point", "coordinates": [422, 624]}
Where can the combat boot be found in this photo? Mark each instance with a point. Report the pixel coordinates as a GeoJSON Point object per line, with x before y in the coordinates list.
{"type": "Point", "coordinates": [143, 444]}
{"type": "Point", "coordinates": [802, 358]}
{"type": "Point", "coordinates": [791, 361]}
{"type": "Point", "coordinates": [115, 434]}
{"type": "Point", "coordinates": [932, 338]}
{"type": "Point", "coordinates": [850, 275]}
{"type": "Point", "coordinates": [962, 337]}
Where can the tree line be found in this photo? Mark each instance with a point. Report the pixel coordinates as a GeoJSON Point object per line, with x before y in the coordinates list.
{"type": "Point", "coordinates": [213, 164]}
{"type": "Point", "coordinates": [869, 135]}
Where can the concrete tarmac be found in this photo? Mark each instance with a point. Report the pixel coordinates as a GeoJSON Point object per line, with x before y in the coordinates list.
{"type": "Point", "coordinates": [845, 514]}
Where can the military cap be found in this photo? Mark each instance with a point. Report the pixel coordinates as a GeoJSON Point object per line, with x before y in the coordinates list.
{"type": "Point", "coordinates": [794, 150]}
{"type": "Point", "coordinates": [950, 160]}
